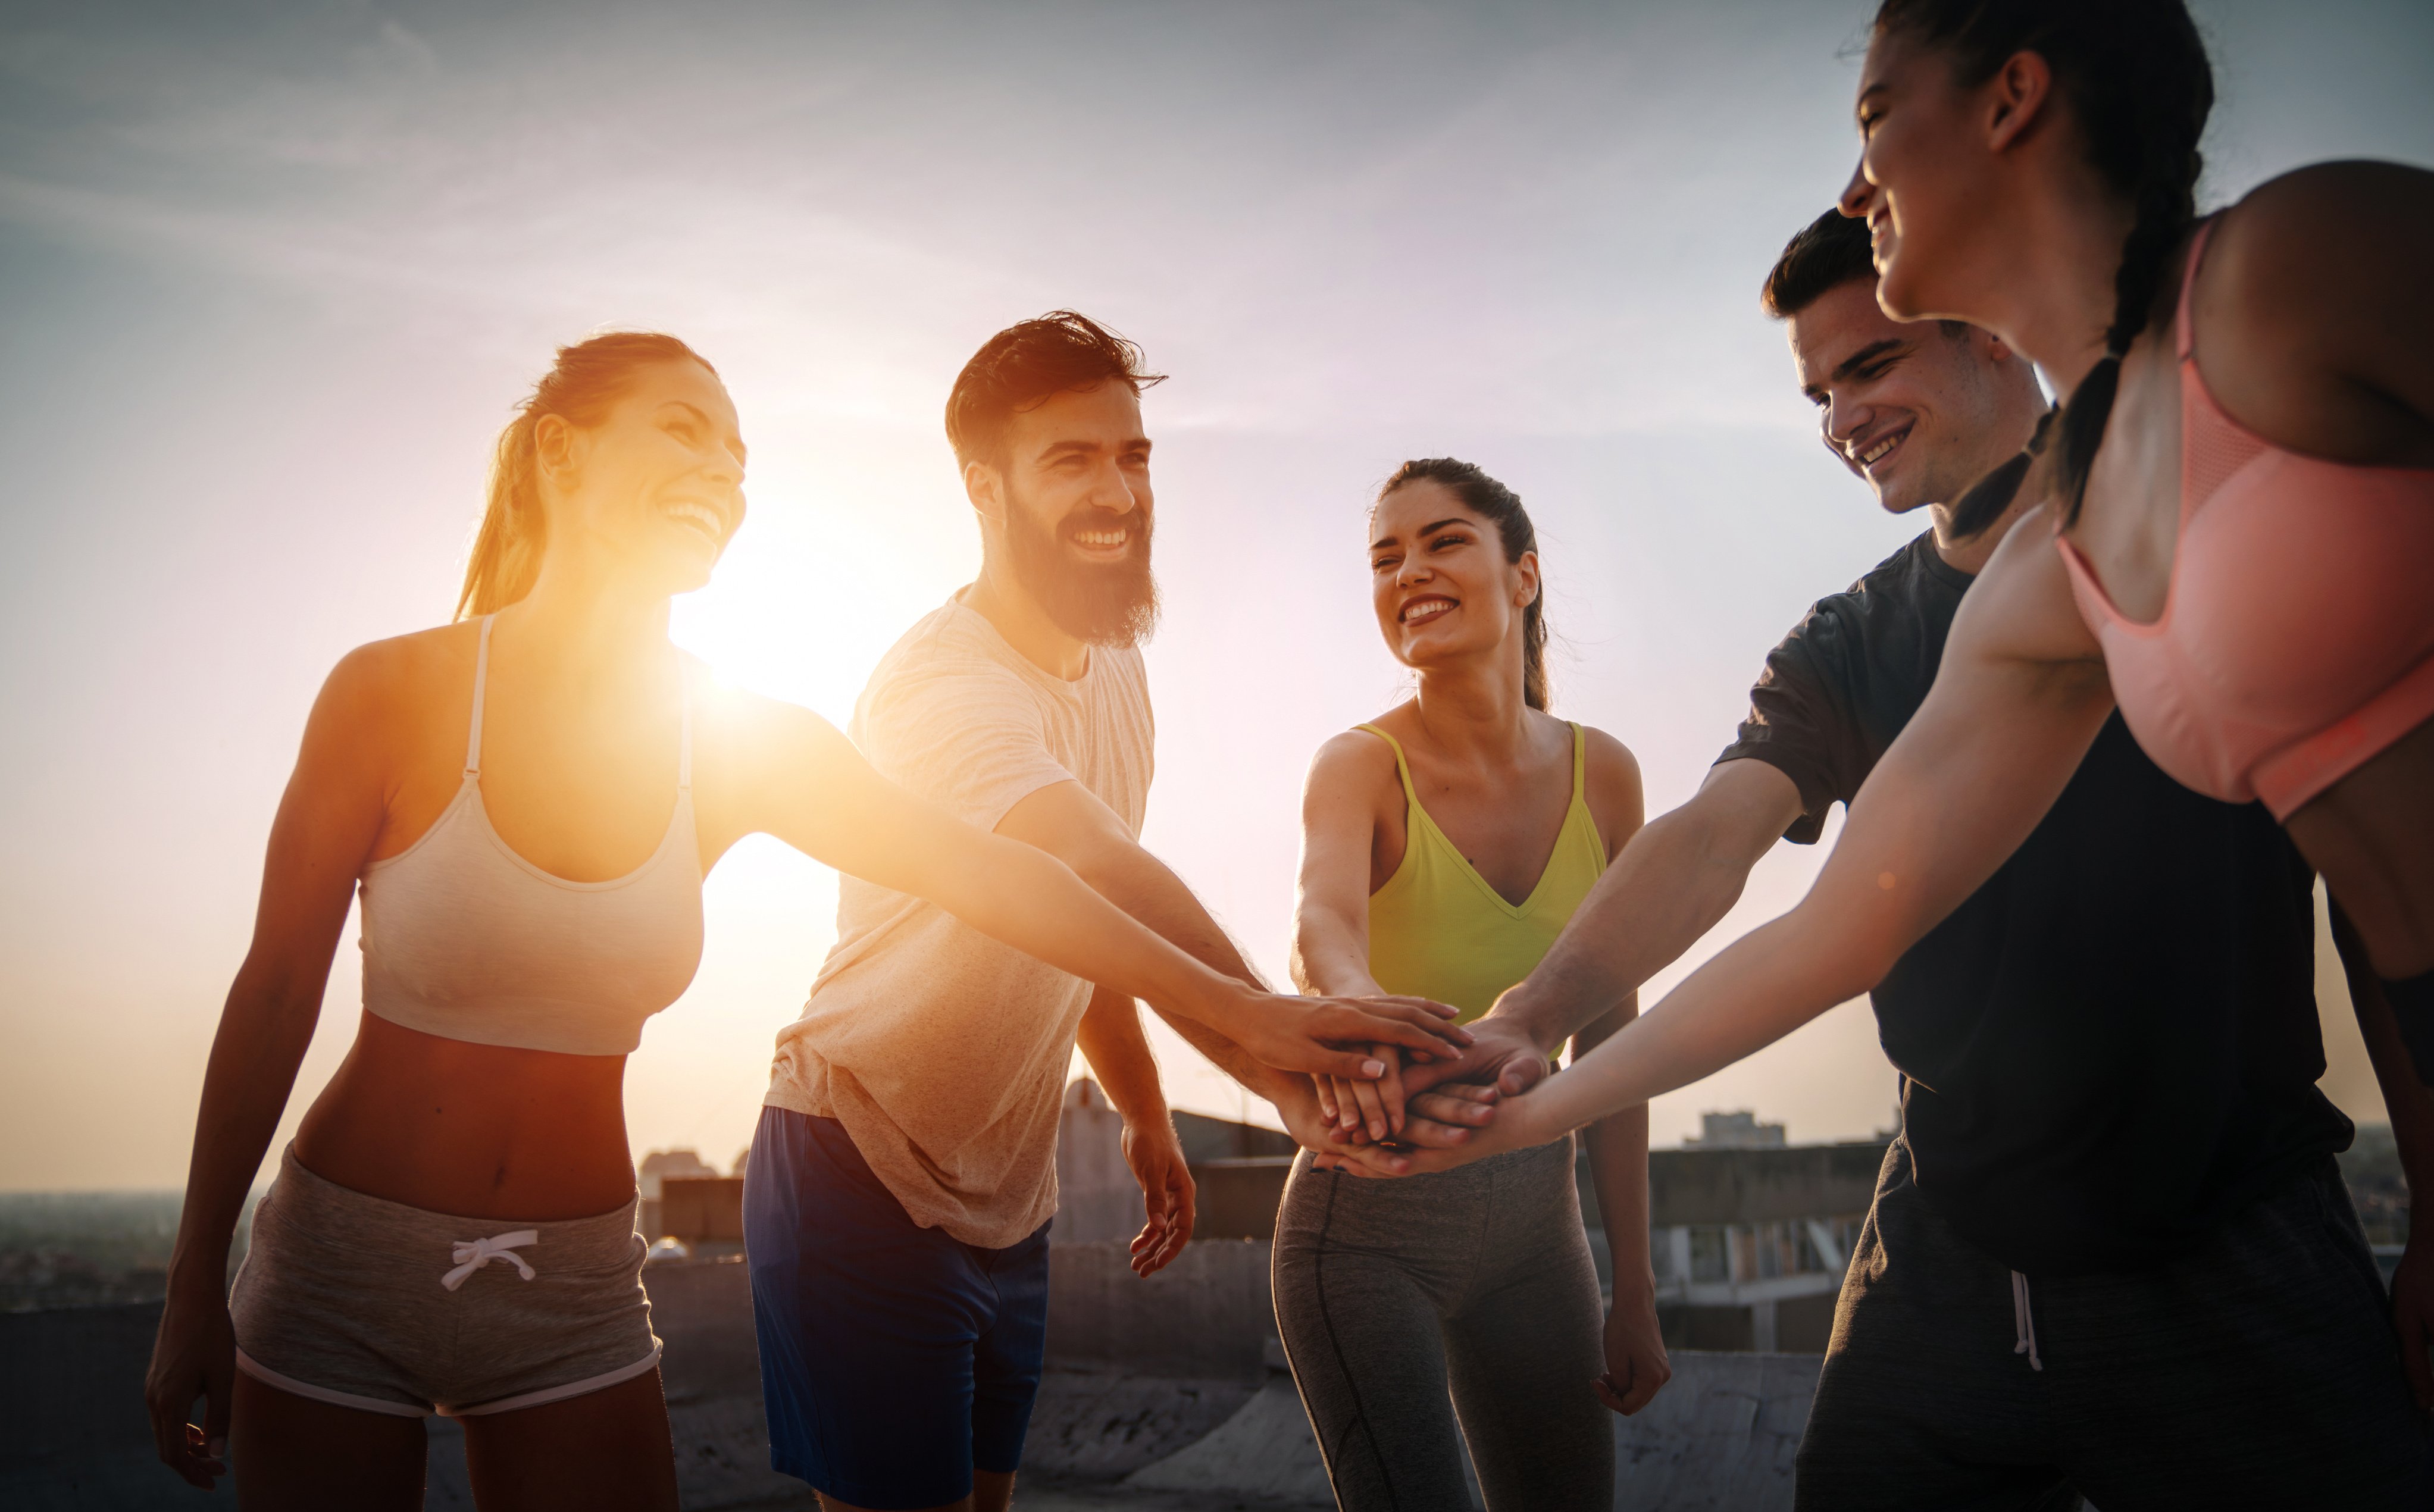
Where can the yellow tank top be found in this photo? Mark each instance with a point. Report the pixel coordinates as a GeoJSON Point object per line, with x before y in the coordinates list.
{"type": "Point", "coordinates": [1437, 930]}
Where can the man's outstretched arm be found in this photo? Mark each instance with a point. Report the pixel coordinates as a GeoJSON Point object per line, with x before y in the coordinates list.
{"type": "Point", "coordinates": [1069, 821]}
{"type": "Point", "coordinates": [1680, 874]}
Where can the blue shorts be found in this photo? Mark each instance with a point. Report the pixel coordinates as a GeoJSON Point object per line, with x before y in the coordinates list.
{"type": "Point", "coordinates": [895, 1360]}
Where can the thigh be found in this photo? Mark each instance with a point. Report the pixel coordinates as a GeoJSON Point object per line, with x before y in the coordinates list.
{"type": "Point", "coordinates": [867, 1325]}
{"type": "Point", "coordinates": [1923, 1403]}
{"type": "Point", "coordinates": [2259, 1372]}
{"type": "Point", "coordinates": [1521, 1358]}
{"type": "Point", "coordinates": [1007, 1356]}
{"type": "Point", "coordinates": [607, 1449]}
{"type": "Point", "coordinates": [1363, 1335]}
{"type": "Point", "coordinates": [290, 1451]}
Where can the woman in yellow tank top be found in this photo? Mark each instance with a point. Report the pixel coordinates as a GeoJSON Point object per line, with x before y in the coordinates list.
{"type": "Point", "coordinates": [1445, 845]}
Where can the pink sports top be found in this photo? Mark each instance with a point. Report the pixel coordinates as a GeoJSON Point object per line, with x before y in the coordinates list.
{"type": "Point", "coordinates": [466, 939]}
{"type": "Point", "coordinates": [2297, 637]}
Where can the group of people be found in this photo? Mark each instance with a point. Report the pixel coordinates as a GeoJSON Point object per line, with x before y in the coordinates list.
{"type": "Point", "coordinates": [2163, 658]}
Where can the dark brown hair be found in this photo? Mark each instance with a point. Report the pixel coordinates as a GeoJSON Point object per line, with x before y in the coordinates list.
{"type": "Point", "coordinates": [1500, 507]}
{"type": "Point", "coordinates": [587, 379]}
{"type": "Point", "coordinates": [1028, 364]}
{"type": "Point", "coordinates": [1828, 253]}
{"type": "Point", "coordinates": [2135, 76]}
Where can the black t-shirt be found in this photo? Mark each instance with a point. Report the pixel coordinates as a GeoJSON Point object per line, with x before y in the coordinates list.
{"type": "Point", "coordinates": [2112, 1046]}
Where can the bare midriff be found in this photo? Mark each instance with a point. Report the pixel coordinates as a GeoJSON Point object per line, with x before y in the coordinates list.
{"type": "Point", "coordinates": [473, 1130]}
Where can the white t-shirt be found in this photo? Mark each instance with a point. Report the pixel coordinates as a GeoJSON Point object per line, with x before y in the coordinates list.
{"type": "Point", "coordinates": [941, 1051]}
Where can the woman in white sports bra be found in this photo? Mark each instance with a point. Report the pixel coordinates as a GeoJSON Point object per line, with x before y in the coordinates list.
{"type": "Point", "coordinates": [528, 799]}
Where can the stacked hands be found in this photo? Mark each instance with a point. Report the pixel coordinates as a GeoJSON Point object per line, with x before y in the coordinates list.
{"type": "Point", "coordinates": [1430, 1110]}
{"type": "Point", "coordinates": [1428, 1097]}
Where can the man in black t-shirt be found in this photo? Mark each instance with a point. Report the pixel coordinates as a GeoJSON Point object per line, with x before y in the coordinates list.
{"type": "Point", "coordinates": [2109, 1253]}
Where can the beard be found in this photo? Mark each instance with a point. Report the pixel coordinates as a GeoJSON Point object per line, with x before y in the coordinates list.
{"type": "Point", "coordinates": [1114, 604]}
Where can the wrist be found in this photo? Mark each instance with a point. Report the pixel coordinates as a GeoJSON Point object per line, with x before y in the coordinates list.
{"type": "Point", "coordinates": [1527, 1013]}
{"type": "Point", "coordinates": [190, 1277]}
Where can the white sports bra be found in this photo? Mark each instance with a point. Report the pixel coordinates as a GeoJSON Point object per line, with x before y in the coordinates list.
{"type": "Point", "coordinates": [466, 939]}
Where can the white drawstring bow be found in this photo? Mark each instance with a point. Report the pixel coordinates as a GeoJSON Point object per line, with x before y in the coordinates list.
{"type": "Point", "coordinates": [2024, 1322]}
{"type": "Point", "coordinates": [473, 1254]}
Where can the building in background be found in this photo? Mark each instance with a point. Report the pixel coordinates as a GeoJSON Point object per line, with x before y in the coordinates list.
{"type": "Point", "coordinates": [1735, 1131]}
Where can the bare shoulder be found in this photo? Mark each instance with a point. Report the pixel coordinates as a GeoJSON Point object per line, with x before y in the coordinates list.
{"type": "Point", "coordinates": [2020, 610]}
{"type": "Point", "coordinates": [2326, 240]}
{"type": "Point", "coordinates": [1612, 767]}
{"type": "Point", "coordinates": [2313, 285]}
{"type": "Point", "coordinates": [1350, 760]}
{"type": "Point", "coordinates": [1616, 798]}
{"type": "Point", "coordinates": [403, 677]}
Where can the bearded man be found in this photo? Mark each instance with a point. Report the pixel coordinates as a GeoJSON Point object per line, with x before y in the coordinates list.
{"type": "Point", "coordinates": [902, 1178]}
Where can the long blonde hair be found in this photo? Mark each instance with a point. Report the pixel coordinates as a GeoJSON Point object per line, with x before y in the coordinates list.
{"type": "Point", "coordinates": [586, 378]}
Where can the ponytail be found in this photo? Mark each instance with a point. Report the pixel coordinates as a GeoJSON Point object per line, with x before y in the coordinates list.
{"type": "Point", "coordinates": [1492, 501]}
{"type": "Point", "coordinates": [2140, 88]}
{"type": "Point", "coordinates": [579, 387]}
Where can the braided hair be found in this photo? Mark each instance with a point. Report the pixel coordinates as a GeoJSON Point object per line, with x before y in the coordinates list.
{"type": "Point", "coordinates": [2136, 77]}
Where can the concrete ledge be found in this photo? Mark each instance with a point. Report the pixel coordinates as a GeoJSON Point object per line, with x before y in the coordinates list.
{"type": "Point", "coordinates": [1158, 1394]}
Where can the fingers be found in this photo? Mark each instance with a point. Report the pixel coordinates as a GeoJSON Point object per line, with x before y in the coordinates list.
{"type": "Point", "coordinates": [1608, 1393]}
{"type": "Point", "coordinates": [1390, 1091]}
{"type": "Point", "coordinates": [1427, 1134]}
{"type": "Point", "coordinates": [1391, 1022]}
{"type": "Point", "coordinates": [1647, 1378]}
{"type": "Point", "coordinates": [1370, 1160]}
{"type": "Point", "coordinates": [218, 1388]}
{"type": "Point", "coordinates": [1372, 1106]}
{"type": "Point", "coordinates": [186, 1447]}
{"type": "Point", "coordinates": [1347, 1103]}
{"type": "Point", "coordinates": [1326, 1088]}
{"type": "Point", "coordinates": [1441, 1106]}
{"type": "Point", "coordinates": [1351, 1065]}
{"type": "Point", "coordinates": [1521, 1074]}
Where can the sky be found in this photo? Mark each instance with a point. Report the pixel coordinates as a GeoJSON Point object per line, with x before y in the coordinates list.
{"type": "Point", "coordinates": [274, 271]}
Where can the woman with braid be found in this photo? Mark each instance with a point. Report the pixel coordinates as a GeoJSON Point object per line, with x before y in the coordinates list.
{"type": "Point", "coordinates": [2235, 540]}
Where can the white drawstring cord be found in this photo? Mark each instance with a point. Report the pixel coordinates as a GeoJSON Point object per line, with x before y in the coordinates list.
{"type": "Point", "coordinates": [2023, 1322]}
{"type": "Point", "coordinates": [473, 1254]}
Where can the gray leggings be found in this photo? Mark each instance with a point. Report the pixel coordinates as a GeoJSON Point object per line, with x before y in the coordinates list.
{"type": "Point", "coordinates": [1477, 1279]}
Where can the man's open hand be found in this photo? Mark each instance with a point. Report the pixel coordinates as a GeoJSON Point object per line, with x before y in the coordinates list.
{"type": "Point", "coordinates": [1500, 1053]}
{"type": "Point", "coordinates": [1336, 1037]}
{"type": "Point", "coordinates": [1156, 1156]}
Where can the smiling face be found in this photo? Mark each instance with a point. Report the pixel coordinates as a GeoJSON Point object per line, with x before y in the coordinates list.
{"type": "Point", "coordinates": [1439, 581]}
{"type": "Point", "coordinates": [657, 486]}
{"type": "Point", "coordinates": [1927, 183]}
{"type": "Point", "coordinates": [1073, 512]}
{"type": "Point", "coordinates": [1917, 412]}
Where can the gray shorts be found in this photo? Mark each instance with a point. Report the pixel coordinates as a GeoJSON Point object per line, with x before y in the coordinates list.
{"type": "Point", "coordinates": [2259, 1370]}
{"type": "Point", "coordinates": [372, 1304]}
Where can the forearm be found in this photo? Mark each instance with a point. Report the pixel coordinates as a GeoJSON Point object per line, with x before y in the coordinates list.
{"type": "Point", "coordinates": [2407, 1100]}
{"type": "Point", "coordinates": [1031, 901]}
{"type": "Point", "coordinates": [1145, 887]}
{"type": "Point", "coordinates": [1111, 1041]}
{"type": "Point", "coordinates": [1331, 954]}
{"type": "Point", "coordinates": [1618, 1146]}
{"type": "Point", "coordinates": [261, 1041]}
{"type": "Point", "coordinates": [1769, 983]}
{"type": "Point", "coordinates": [1670, 885]}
